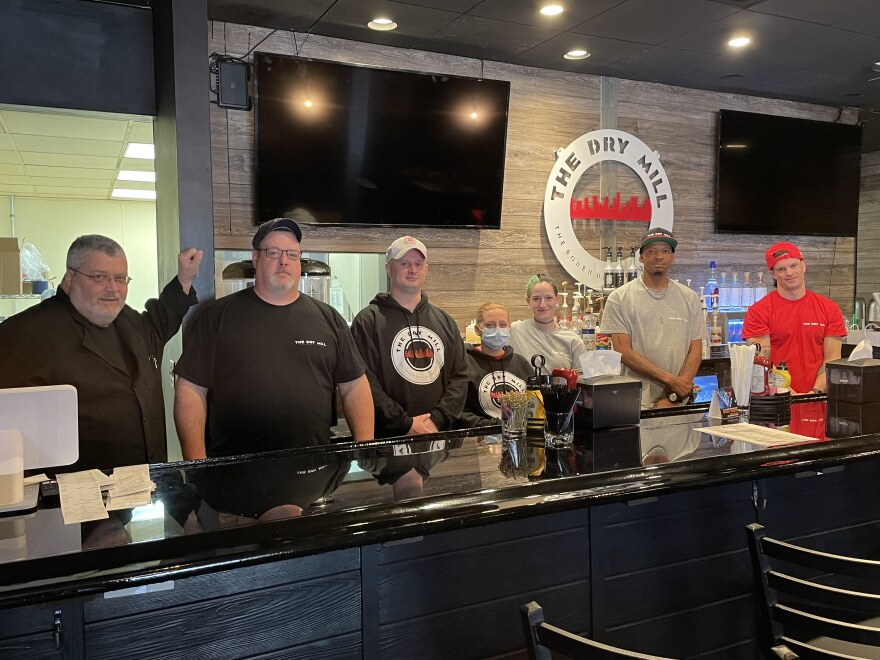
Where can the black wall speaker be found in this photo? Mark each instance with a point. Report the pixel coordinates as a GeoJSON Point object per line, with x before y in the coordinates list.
{"type": "Point", "coordinates": [232, 85]}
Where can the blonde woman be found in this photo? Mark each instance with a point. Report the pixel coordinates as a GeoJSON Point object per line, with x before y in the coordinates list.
{"type": "Point", "coordinates": [560, 347]}
{"type": "Point", "coordinates": [493, 368]}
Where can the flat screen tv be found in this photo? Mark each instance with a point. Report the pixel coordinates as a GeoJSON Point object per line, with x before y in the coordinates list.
{"type": "Point", "coordinates": [340, 145]}
{"type": "Point", "coordinates": [779, 175]}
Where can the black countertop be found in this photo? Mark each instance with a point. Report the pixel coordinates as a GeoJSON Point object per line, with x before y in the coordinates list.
{"type": "Point", "coordinates": [222, 513]}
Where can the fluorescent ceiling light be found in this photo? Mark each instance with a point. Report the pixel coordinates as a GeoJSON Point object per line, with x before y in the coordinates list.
{"type": "Point", "coordinates": [127, 193]}
{"type": "Point", "coordinates": [739, 42]}
{"type": "Point", "coordinates": [382, 24]}
{"type": "Point", "coordinates": [551, 10]}
{"type": "Point", "coordinates": [577, 55]}
{"type": "Point", "coordinates": [140, 150]}
{"type": "Point", "coordinates": [135, 175]}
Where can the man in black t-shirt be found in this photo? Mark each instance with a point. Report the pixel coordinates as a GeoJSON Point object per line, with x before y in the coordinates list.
{"type": "Point", "coordinates": [259, 368]}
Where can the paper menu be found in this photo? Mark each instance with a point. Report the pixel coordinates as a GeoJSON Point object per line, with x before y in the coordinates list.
{"type": "Point", "coordinates": [756, 435]}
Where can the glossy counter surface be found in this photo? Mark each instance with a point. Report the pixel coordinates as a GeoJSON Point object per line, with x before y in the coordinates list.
{"type": "Point", "coordinates": [222, 513]}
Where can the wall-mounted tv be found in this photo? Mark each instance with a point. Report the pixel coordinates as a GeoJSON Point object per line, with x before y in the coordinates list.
{"type": "Point", "coordinates": [780, 175]}
{"type": "Point", "coordinates": [340, 145]}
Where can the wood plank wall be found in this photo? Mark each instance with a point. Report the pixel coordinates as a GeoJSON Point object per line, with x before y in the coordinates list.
{"type": "Point", "coordinates": [869, 228]}
{"type": "Point", "coordinates": [548, 110]}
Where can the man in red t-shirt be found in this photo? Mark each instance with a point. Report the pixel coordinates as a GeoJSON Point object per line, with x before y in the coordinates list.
{"type": "Point", "coordinates": [795, 325]}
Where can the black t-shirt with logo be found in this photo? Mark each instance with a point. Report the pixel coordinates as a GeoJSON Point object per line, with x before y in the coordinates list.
{"type": "Point", "coordinates": [271, 371]}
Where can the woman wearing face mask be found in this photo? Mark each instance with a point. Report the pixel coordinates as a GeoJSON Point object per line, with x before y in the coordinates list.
{"type": "Point", "coordinates": [561, 348]}
{"type": "Point", "coordinates": [493, 368]}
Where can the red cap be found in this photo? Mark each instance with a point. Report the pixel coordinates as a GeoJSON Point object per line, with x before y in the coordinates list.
{"type": "Point", "coordinates": [779, 251]}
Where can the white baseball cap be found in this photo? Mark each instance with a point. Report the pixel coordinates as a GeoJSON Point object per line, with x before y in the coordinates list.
{"type": "Point", "coordinates": [403, 245]}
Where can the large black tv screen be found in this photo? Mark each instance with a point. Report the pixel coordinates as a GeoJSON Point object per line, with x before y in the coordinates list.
{"type": "Point", "coordinates": [780, 175]}
{"type": "Point", "coordinates": [351, 145]}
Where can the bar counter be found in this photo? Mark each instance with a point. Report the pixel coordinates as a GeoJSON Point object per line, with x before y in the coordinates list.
{"type": "Point", "coordinates": [634, 527]}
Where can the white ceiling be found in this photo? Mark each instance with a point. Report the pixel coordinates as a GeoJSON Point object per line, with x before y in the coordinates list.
{"type": "Point", "coordinates": [73, 155]}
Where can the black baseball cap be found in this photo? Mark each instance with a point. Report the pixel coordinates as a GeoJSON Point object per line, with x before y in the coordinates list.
{"type": "Point", "coordinates": [277, 224]}
{"type": "Point", "coordinates": [658, 234]}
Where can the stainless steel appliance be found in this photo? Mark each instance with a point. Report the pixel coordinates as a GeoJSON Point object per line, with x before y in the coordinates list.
{"type": "Point", "coordinates": [315, 280]}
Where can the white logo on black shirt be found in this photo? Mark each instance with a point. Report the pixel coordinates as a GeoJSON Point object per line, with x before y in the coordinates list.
{"type": "Point", "coordinates": [417, 355]}
{"type": "Point", "coordinates": [493, 385]}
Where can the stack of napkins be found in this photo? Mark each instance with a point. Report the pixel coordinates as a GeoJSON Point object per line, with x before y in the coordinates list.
{"type": "Point", "coordinates": [80, 492]}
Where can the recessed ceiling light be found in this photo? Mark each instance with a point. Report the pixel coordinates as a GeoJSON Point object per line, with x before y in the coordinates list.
{"type": "Point", "coordinates": [140, 150]}
{"type": "Point", "coordinates": [551, 10]}
{"type": "Point", "coordinates": [135, 175]}
{"type": "Point", "coordinates": [739, 42]}
{"type": "Point", "coordinates": [127, 193]}
{"type": "Point", "coordinates": [577, 55]}
{"type": "Point", "coordinates": [382, 24]}
{"type": "Point", "coordinates": [876, 66]}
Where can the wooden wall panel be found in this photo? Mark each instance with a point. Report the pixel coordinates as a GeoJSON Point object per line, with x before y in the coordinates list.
{"type": "Point", "coordinates": [548, 110]}
{"type": "Point", "coordinates": [869, 227]}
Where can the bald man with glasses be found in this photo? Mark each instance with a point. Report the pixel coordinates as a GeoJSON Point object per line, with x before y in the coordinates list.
{"type": "Point", "coordinates": [86, 336]}
{"type": "Point", "coordinates": [260, 368]}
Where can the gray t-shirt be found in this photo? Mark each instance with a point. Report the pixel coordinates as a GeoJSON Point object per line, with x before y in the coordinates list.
{"type": "Point", "coordinates": [660, 330]}
{"type": "Point", "coordinates": [561, 348]}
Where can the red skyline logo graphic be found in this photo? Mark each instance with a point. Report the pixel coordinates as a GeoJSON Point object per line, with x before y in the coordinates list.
{"type": "Point", "coordinates": [590, 208]}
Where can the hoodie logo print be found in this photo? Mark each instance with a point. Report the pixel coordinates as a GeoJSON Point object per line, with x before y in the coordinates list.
{"type": "Point", "coordinates": [417, 355]}
{"type": "Point", "coordinates": [493, 385]}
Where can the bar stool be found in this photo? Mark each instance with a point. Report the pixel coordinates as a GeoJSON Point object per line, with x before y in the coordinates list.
{"type": "Point", "coordinates": [814, 604]}
{"type": "Point", "coordinates": [542, 639]}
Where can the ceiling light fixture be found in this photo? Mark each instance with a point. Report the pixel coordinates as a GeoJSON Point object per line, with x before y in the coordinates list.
{"type": "Point", "coordinates": [140, 150]}
{"type": "Point", "coordinates": [551, 10]}
{"type": "Point", "coordinates": [739, 42]}
{"type": "Point", "coordinates": [127, 193]}
{"type": "Point", "coordinates": [382, 24]}
{"type": "Point", "coordinates": [135, 175]}
{"type": "Point", "coordinates": [876, 67]}
{"type": "Point", "coordinates": [577, 55]}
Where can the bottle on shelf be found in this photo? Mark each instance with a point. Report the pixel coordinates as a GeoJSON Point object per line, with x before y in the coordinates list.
{"type": "Point", "coordinates": [723, 293]}
{"type": "Point", "coordinates": [609, 270]}
{"type": "Point", "coordinates": [589, 330]}
{"type": "Point", "coordinates": [706, 352]}
{"type": "Point", "coordinates": [736, 292]}
{"type": "Point", "coordinates": [564, 316]}
{"type": "Point", "coordinates": [603, 341]}
{"type": "Point", "coordinates": [710, 290]}
{"type": "Point", "coordinates": [748, 290]}
{"type": "Point", "coordinates": [619, 276]}
{"type": "Point", "coordinates": [577, 316]}
{"type": "Point", "coordinates": [632, 272]}
{"type": "Point", "coordinates": [760, 287]}
{"type": "Point", "coordinates": [715, 334]}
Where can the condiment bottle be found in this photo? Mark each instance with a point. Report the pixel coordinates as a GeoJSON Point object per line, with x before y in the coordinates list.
{"type": "Point", "coordinates": [761, 367]}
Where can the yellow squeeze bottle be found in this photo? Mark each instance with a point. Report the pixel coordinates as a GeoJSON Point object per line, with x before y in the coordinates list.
{"type": "Point", "coordinates": [780, 378]}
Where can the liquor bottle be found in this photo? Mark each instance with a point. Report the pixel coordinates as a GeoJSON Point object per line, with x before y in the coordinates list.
{"type": "Point", "coordinates": [589, 330]}
{"type": "Point", "coordinates": [760, 287]}
{"type": "Point", "coordinates": [706, 353]}
{"type": "Point", "coordinates": [748, 296]}
{"type": "Point", "coordinates": [736, 292]}
{"type": "Point", "coordinates": [710, 291]}
{"type": "Point", "coordinates": [609, 270]}
{"type": "Point", "coordinates": [723, 293]}
{"type": "Point", "coordinates": [633, 271]}
{"type": "Point", "coordinates": [619, 276]}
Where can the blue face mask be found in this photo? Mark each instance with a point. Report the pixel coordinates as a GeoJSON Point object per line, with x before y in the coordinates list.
{"type": "Point", "coordinates": [495, 338]}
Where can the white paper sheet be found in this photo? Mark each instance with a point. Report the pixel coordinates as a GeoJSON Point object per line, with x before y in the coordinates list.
{"type": "Point", "coordinates": [80, 497]}
{"type": "Point", "coordinates": [756, 435]}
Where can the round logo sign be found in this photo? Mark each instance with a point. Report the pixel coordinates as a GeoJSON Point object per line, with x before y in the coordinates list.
{"type": "Point", "coordinates": [417, 355]}
{"type": "Point", "coordinates": [561, 210]}
{"type": "Point", "coordinates": [493, 385]}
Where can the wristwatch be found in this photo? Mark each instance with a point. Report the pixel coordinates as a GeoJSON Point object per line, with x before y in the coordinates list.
{"type": "Point", "coordinates": [674, 398]}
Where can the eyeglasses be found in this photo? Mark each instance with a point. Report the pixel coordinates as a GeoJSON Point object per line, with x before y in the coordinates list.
{"type": "Point", "coordinates": [104, 278]}
{"type": "Point", "coordinates": [275, 253]}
